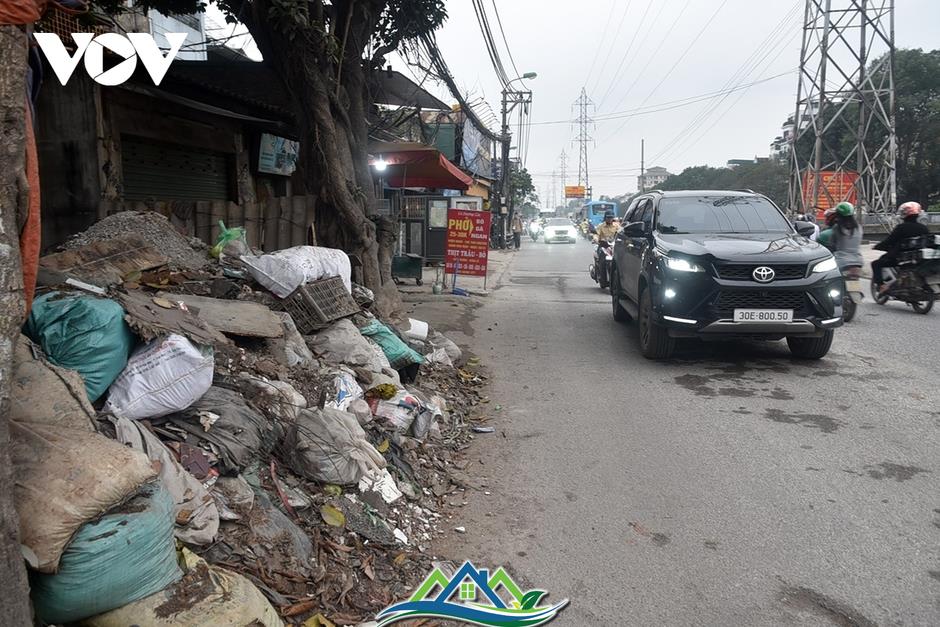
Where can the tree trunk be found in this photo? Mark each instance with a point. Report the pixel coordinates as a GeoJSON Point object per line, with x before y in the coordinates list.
{"type": "Point", "coordinates": [334, 128]}
{"type": "Point", "coordinates": [14, 591]}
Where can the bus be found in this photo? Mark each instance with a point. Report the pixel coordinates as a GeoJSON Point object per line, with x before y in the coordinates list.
{"type": "Point", "coordinates": [594, 210]}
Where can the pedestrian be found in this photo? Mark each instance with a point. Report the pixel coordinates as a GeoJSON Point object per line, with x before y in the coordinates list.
{"type": "Point", "coordinates": [517, 228]}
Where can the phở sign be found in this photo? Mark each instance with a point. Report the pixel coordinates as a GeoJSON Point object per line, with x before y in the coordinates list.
{"type": "Point", "coordinates": [468, 242]}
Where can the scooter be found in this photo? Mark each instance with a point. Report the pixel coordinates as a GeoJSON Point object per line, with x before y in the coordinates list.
{"type": "Point", "coordinates": [534, 233]}
{"type": "Point", "coordinates": [603, 256]}
{"type": "Point", "coordinates": [853, 292]}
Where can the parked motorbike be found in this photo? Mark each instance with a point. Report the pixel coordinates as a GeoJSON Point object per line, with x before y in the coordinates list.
{"type": "Point", "coordinates": [603, 255]}
{"type": "Point", "coordinates": [853, 292]}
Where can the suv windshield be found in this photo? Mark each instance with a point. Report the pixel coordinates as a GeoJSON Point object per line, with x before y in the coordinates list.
{"type": "Point", "coordinates": [719, 214]}
{"type": "Point", "coordinates": [558, 222]}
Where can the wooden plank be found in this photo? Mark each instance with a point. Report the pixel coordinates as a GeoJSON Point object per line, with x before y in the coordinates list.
{"type": "Point", "coordinates": [298, 220]}
{"type": "Point", "coordinates": [219, 213]}
{"type": "Point", "coordinates": [234, 317]}
{"type": "Point", "coordinates": [106, 262]}
{"type": "Point", "coordinates": [252, 224]}
{"type": "Point", "coordinates": [272, 214]}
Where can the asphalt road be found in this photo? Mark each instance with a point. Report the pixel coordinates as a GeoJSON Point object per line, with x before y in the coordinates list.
{"type": "Point", "coordinates": [731, 485]}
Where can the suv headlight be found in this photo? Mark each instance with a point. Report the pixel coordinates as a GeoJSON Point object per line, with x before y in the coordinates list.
{"type": "Point", "coordinates": [826, 265]}
{"type": "Point", "coordinates": [682, 265]}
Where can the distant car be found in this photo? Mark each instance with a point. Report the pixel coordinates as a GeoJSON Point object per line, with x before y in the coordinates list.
{"type": "Point", "coordinates": [560, 230]}
{"type": "Point", "coordinates": [723, 264]}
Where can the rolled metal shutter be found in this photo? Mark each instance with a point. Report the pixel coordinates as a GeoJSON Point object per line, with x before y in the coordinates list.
{"type": "Point", "coordinates": [161, 171]}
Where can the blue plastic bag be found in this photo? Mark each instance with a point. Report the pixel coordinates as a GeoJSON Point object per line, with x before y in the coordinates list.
{"type": "Point", "coordinates": [399, 354]}
{"type": "Point", "coordinates": [82, 333]}
{"type": "Point", "coordinates": [123, 556]}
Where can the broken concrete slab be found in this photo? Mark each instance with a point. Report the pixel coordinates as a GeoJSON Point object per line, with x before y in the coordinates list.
{"type": "Point", "coordinates": [235, 317]}
{"type": "Point", "coordinates": [106, 262]}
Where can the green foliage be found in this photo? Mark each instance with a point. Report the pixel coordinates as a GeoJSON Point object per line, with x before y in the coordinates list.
{"type": "Point", "coordinates": [523, 191]}
{"type": "Point", "coordinates": [767, 177]}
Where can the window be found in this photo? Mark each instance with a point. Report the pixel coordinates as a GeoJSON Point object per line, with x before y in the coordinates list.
{"type": "Point", "coordinates": [720, 214]}
{"type": "Point", "coordinates": [631, 211]}
{"type": "Point", "coordinates": [468, 591]}
{"type": "Point", "coordinates": [644, 213]}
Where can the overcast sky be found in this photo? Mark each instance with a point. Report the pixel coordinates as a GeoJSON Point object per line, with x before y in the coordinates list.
{"type": "Point", "coordinates": [680, 49]}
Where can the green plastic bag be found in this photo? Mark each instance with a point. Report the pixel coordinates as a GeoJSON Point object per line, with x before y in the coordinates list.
{"type": "Point", "coordinates": [226, 236]}
{"type": "Point", "coordinates": [126, 555]}
{"type": "Point", "coordinates": [399, 354]}
{"type": "Point", "coordinates": [82, 333]}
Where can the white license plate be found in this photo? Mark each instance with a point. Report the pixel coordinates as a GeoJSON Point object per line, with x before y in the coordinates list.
{"type": "Point", "coordinates": [852, 285]}
{"type": "Point", "coordinates": [763, 315]}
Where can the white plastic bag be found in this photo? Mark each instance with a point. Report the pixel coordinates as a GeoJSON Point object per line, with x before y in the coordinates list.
{"type": "Point", "coordinates": [347, 391]}
{"type": "Point", "coordinates": [162, 377]}
{"type": "Point", "coordinates": [283, 271]}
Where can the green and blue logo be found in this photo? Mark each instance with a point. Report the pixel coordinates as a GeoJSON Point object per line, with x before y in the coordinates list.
{"type": "Point", "coordinates": [470, 584]}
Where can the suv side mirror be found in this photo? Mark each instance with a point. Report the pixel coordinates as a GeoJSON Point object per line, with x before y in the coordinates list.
{"type": "Point", "coordinates": [806, 229]}
{"type": "Point", "coordinates": [634, 229]}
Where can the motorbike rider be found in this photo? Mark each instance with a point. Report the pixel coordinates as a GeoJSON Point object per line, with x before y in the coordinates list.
{"type": "Point", "coordinates": [846, 239]}
{"type": "Point", "coordinates": [607, 230]}
{"type": "Point", "coordinates": [909, 227]}
{"type": "Point", "coordinates": [803, 217]}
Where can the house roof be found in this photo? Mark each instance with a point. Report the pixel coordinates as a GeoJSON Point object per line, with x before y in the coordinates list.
{"type": "Point", "coordinates": [256, 85]}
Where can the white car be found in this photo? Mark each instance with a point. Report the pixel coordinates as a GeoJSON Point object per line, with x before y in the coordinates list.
{"type": "Point", "coordinates": [560, 230]}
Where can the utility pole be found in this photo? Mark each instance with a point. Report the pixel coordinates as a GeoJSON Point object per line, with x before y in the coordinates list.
{"type": "Point", "coordinates": [642, 184]}
{"type": "Point", "coordinates": [510, 99]}
{"type": "Point", "coordinates": [584, 104]}
{"type": "Point", "coordinates": [855, 98]}
{"type": "Point", "coordinates": [554, 191]}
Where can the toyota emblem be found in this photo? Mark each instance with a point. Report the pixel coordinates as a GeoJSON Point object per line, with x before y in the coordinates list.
{"type": "Point", "coordinates": [763, 274]}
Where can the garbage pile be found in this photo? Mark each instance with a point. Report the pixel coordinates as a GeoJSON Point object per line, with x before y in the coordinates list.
{"type": "Point", "coordinates": [237, 441]}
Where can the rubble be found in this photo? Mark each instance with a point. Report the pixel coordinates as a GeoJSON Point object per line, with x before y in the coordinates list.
{"type": "Point", "coordinates": [153, 228]}
{"type": "Point", "coordinates": [306, 483]}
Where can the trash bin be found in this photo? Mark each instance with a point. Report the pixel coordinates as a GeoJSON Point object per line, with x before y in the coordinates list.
{"type": "Point", "coordinates": [408, 266]}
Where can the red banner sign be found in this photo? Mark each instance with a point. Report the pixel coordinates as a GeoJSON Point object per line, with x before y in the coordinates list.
{"type": "Point", "coordinates": [468, 242]}
{"type": "Point", "coordinates": [834, 187]}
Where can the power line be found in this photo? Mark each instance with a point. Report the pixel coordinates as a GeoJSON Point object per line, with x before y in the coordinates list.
{"type": "Point", "coordinates": [499, 21]}
{"type": "Point", "coordinates": [669, 104]}
{"type": "Point", "coordinates": [678, 60]}
{"type": "Point", "coordinates": [600, 44]}
{"type": "Point", "coordinates": [736, 80]}
{"type": "Point", "coordinates": [626, 52]}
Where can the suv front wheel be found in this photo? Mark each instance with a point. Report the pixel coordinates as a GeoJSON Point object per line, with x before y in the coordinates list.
{"type": "Point", "coordinates": [810, 347]}
{"type": "Point", "coordinates": [655, 342]}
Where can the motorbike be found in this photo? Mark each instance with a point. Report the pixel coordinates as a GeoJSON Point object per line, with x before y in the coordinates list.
{"type": "Point", "coordinates": [853, 292]}
{"type": "Point", "coordinates": [603, 255]}
{"type": "Point", "coordinates": [908, 286]}
{"type": "Point", "coordinates": [535, 231]}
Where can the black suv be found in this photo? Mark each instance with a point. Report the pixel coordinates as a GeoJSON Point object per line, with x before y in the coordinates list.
{"type": "Point", "coordinates": [722, 264]}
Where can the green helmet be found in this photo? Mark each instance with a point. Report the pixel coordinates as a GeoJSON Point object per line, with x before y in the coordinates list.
{"type": "Point", "coordinates": [845, 209]}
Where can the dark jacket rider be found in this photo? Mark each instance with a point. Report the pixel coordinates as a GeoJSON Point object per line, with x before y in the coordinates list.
{"type": "Point", "coordinates": [909, 227]}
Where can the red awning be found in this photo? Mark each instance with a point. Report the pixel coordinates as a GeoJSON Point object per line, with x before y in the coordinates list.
{"type": "Point", "coordinates": [417, 165]}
